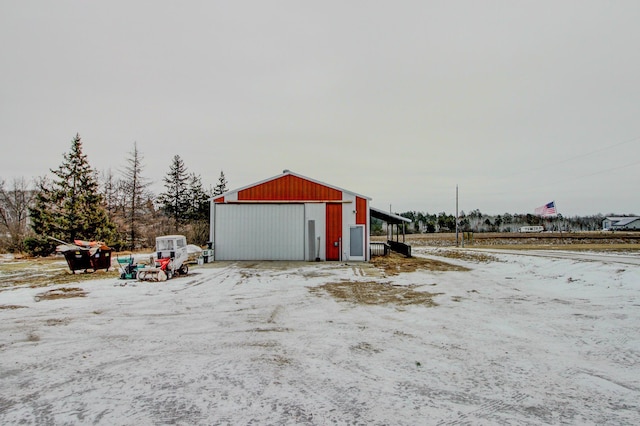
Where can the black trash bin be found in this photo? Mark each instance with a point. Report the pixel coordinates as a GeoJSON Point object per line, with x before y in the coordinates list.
{"type": "Point", "coordinates": [81, 258]}
{"type": "Point", "coordinates": [101, 259]}
{"type": "Point", "coordinates": [78, 259]}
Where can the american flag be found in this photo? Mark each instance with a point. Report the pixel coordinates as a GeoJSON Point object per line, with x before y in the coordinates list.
{"type": "Point", "coordinates": [548, 209]}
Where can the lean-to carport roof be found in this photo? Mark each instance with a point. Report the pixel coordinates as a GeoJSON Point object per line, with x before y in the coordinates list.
{"type": "Point", "coordinates": [390, 218]}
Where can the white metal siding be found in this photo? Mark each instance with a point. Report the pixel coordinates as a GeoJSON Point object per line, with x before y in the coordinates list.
{"type": "Point", "coordinates": [318, 213]}
{"type": "Point", "coordinates": [259, 232]}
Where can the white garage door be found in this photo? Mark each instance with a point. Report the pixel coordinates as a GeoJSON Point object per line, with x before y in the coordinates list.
{"type": "Point", "coordinates": [259, 232]}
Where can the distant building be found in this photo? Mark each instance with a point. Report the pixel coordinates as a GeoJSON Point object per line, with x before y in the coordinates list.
{"type": "Point", "coordinates": [290, 217]}
{"type": "Point", "coordinates": [624, 223]}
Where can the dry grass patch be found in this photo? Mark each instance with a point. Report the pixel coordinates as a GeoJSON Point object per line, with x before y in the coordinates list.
{"type": "Point", "coordinates": [60, 293]}
{"type": "Point", "coordinates": [33, 337]}
{"type": "Point", "coordinates": [365, 347]}
{"type": "Point", "coordinates": [274, 359]}
{"type": "Point", "coordinates": [599, 248]}
{"type": "Point", "coordinates": [58, 321]}
{"type": "Point", "coordinates": [375, 293]}
{"type": "Point", "coordinates": [465, 255]}
{"type": "Point", "coordinates": [394, 264]}
{"type": "Point", "coordinates": [267, 345]}
{"type": "Point", "coordinates": [270, 329]}
{"type": "Point", "coordinates": [599, 241]}
{"type": "Point", "coordinates": [11, 307]}
{"type": "Point", "coordinates": [44, 272]}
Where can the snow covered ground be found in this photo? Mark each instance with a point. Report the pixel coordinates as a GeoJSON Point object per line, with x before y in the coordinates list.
{"type": "Point", "coordinates": [518, 340]}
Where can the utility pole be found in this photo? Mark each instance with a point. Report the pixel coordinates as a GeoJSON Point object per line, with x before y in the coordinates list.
{"type": "Point", "coordinates": [456, 215]}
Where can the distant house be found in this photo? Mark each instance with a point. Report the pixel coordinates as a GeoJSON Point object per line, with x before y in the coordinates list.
{"type": "Point", "coordinates": [624, 223]}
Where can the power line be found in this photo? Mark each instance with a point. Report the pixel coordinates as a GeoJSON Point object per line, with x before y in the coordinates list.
{"type": "Point", "coordinates": [605, 171]}
{"type": "Point", "coordinates": [559, 182]}
{"type": "Point", "coordinates": [563, 181]}
{"type": "Point", "coordinates": [586, 154]}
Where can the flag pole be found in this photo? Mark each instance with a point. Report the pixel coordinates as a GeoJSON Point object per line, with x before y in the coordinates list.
{"type": "Point", "coordinates": [560, 222]}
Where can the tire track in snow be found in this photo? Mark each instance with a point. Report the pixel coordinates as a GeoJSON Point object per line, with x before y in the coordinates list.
{"type": "Point", "coordinates": [226, 271]}
{"type": "Point", "coordinates": [579, 257]}
{"type": "Point", "coordinates": [600, 377]}
{"type": "Point", "coordinates": [487, 409]}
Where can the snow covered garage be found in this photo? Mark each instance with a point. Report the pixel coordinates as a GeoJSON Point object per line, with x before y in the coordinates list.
{"type": "Point", "coordinates": [290, 217]}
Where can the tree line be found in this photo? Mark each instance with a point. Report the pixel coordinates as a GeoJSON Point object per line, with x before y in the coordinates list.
{"type": "Point", "coordinates": [476, 221]}
{"type": "Point", "coordinates": [75, 202]}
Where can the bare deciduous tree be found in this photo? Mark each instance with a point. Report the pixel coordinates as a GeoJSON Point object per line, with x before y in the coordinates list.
{"type": "Point", "coordinates": [14, 214]}
{"type": "Point", "coordinates": [135, 193]}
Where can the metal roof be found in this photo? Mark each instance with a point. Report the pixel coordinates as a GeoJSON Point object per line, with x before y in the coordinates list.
{"type": "Point", "coordinates": [388, 217]}
{"type": "Point", "coordinates": [622, 221]}
{"type": "Point", "coordinates": [285, 173]}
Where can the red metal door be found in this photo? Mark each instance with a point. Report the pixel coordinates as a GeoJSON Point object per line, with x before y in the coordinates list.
{"type": "Point", "coordinates": [334, 230]}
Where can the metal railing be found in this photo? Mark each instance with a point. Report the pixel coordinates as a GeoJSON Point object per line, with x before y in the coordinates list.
{"type": "Point", "coordinates": [401, 248]}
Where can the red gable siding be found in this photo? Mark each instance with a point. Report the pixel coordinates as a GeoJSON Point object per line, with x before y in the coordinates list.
{"type": "Point", "coordinates": [334, 230]}
{"type": "Point", "coordinates": [289, 188]}
{"type": "Point", "coordinates": [361, 211]}
{"type": "Point", "coordinates": [219, 200]}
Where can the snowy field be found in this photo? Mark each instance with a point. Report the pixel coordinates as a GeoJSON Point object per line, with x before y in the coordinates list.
{"type": "Point", "coordinates": [516, 340]}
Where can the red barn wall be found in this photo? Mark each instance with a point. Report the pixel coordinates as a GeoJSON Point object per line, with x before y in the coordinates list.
{"type": "Point", "coordinates": [334, 231]}
{"type": "Point", "coordinates": [289, 188]}
{"type": "Point", "coordinates": [361, 211]}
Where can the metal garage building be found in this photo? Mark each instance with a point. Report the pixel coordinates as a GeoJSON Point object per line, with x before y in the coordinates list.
{"type": "Point", "coordinates": [290, 217]}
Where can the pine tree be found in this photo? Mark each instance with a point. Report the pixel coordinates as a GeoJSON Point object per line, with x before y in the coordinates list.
{"type": "Point", "coordinates": [221, 187]}
{"type": "Point", "coordinates": [43, 209]}
{"type": "Point", "coordinates": [70, 206]}
{"type": "Point", "coordinates": [42, 223]}
{"type": "Point", "coordinates": [175, 201]}
{"type": "Point", "coordinates": [198, 199]}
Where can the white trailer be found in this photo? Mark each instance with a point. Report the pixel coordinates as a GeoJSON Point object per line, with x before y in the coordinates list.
{"type": "Point", "coordinates": [531, 229]}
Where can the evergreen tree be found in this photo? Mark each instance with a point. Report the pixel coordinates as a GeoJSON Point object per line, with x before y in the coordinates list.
{"type": "Point", "coordinates": [198, 199]}
{"type": "Point", "coordinates": [41, 214]}
{"type": "Point", "coordinates": [175, 200]}
{"type": "Point", "coordinates": [70, 206]}
{"type": "Point", "coordinates": [197, 232]}
{"type": "Point", "coordinates": [43, 209]}
{"type": "Point", "coordinates": [221, 187]}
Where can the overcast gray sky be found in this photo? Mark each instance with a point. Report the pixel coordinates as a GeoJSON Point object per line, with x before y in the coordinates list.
{"type": "Point", "coordinates": [517, 102]}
